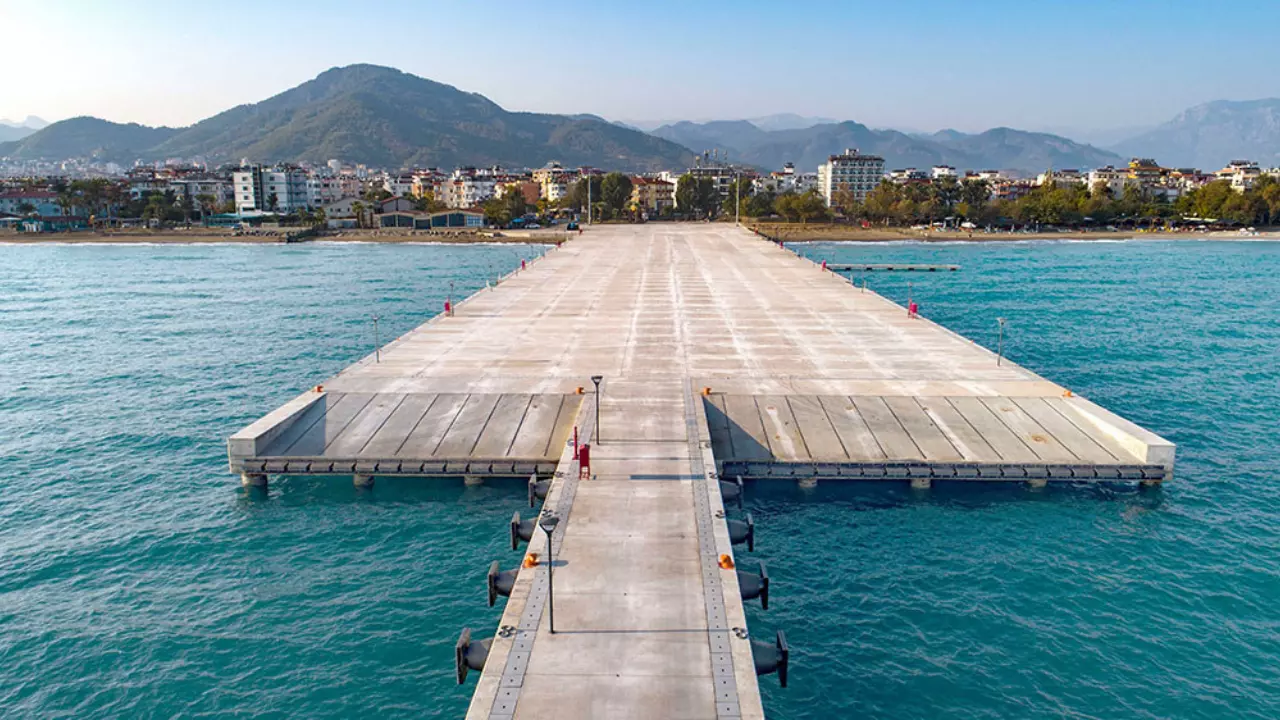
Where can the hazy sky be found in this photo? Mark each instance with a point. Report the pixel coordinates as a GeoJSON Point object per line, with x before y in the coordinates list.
{"type": "Point", "coordinates": [915, 65]}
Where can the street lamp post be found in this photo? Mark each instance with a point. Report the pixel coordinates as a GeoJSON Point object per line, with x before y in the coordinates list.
{"type": "Point", "coordinates": [377, 351]}
{"type": "Point", "coordinates": [1000, 342]}
{"type": "Point", "coordinates": [596, 379]}
{"type": "Point", "coordinates": [737, 190]}
{"type": "Point", "coordinates": [548, 524]}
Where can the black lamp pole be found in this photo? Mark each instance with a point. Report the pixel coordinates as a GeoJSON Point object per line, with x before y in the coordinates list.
{"type": "Point", "coordinates": [548, 524]}
{"type": "Point", "coordinates": [596, 379]}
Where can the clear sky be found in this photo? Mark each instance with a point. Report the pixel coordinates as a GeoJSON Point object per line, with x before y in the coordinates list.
{"type": "Point", "coordinates": [916, 65]}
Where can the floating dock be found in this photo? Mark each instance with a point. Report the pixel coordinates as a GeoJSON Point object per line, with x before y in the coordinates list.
{"type": "Point", "coordinates": [722, 355]}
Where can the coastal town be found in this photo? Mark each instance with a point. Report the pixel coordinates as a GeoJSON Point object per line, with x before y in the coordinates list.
{"type": "Point", "coordinates": [850, 187]}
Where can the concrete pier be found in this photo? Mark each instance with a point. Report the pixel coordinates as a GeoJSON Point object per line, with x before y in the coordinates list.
{"type": "Point", "coordinates": [723, 355]}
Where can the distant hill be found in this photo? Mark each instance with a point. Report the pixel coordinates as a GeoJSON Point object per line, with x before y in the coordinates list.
{"type": "Point", "coordinates": [1000, 148]}
{"type": "Point", "coordinates": [1211, 135]}
{"type": "Point", "coordinates": [373, 115]}
{"type": "Point", "coordinates": [87, 137]}
{"type": "Point", "coordinates": [9, 133]}
{"type": "Point", "coordinates": [789, 121]}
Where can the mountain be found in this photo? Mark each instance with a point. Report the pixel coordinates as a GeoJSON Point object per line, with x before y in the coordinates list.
{"type": "Point", "coordinates": [87, 137]}
{"type": "Point", "coordinates": [9, 133]}
{"type": "Point", "coordinates": [733, 135]}
{"type": "Point", "coordinates": [31, 123]}
{"type": "Point", "coordinates": [376, 116]}
{"type": "Point", "coordinates": [1000, 148]}
{"type": "Point", "coordinates": [1211, 135]}
{"type": "Point", "coordinates": [789, 121]}
{"type": "Point", "coordinates": [1028, 151]}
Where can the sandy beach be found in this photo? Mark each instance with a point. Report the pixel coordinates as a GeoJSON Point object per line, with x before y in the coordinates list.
{"type": "Point", "coordinates": [845, 233]}
{"type": "Point", "coordinates": [215, 235]}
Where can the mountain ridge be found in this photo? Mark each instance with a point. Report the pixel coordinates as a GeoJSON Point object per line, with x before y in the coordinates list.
{"type": "Point", "coordinates": [372, 115]}
{"type": "Point", "coordinates": [1212, 134]}
{"type": "Point", "coordinates": [1000, 148]}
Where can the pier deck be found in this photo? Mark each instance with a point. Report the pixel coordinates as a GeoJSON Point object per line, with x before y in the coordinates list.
{"type": "Point", "coordinates": [721, 353]}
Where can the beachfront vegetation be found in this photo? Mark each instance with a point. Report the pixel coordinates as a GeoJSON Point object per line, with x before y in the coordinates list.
{"type": "Point", "coordinates": [1068, 205]}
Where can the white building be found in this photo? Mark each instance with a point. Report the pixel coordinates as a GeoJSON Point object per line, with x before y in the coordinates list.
{"type": "Point", "coordinates": [851, 171]}
{"type": "Point", "coordinates": [194, 187]}
{"type": "Point", "coordinates": [1240, 173]}
{"type": "Point", "coordinates": [1115, 179]}
{"type": "Point", "coordinates": [270, 189]}
{"type": "Point", "coordinates": [940, 171]}
{"type": "Point", "coordinates": [1061, 178]}
{"type": "Point", "coordinates": [398, 185]}
{"type": "Point", "coordinates": [323, 189]}
{"type": "Point", "coordinates": [785, 180]}
{"type": "Point", "coordinates": [467, 188]}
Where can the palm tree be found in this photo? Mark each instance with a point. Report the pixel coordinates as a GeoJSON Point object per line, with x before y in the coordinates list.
{"type": "Point", "coordinates": [207, 203]}
{"type": "Point", "coordinates": [357, 207]}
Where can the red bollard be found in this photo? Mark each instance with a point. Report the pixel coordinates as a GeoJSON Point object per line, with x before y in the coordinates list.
{"type": "Point", "coordinates": [824, 264]}
{"type": "Point", "coordinates": [522, 264]}
{"type": "Point", "coordinates": [913, 309]}
{"type": "Point", "coordinates": [584, 461]}
{"type": "Point", "coordinates": [448, 308]}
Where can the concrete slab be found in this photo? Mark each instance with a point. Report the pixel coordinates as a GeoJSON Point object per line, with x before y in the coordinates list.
{"type": "Point", "coordinates": [802, 368]}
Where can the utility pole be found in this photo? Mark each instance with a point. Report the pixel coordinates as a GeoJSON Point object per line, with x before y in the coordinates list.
{"type": "Point", "coordinates": [588, 179]}
{"type": "Point", "coordinates": [737, 188]}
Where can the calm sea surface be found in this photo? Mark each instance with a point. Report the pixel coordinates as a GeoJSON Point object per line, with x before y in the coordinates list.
{"type": "Point", "coordinates": [137, 579]}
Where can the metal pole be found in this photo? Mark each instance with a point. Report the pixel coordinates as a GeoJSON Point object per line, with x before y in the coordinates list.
{"type": "Point", "coordinates": [1000, 342]}
{"type": "Point", "coordinates": [908, 298]}
{"type": "Point", "coordinates": [551, 583]}
{"type": "Point", "coordinates": [588, 179]}
{"type": "Point", "coordinates": [596, 379]}
{"type": "Point", "coordinates": [377, 345]}
{"type": "Point", "coordinates": [450, 298]}
{"type": "Point", "coordinates": [737, 187]}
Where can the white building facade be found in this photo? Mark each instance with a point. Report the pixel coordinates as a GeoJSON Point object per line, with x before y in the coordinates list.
{"type": "Point", "coordinates": [259, 189]}
{"type": "Point", "coordinates": [852, 171]}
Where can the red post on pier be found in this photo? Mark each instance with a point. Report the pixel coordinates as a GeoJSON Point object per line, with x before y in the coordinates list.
{"type": "Point", "coordinates": [913, 309]}
{"type": "Point", "coordinates": [448, 308]}
{"type": "Point", "coordinates": [824, 264]}
{"type": "Point", "coordinates": [584, 462]}
{"type": "Point", "coordinates": [522, 264]}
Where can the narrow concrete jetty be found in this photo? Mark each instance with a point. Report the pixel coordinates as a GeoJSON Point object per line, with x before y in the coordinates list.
{"type": "Point", "coordinates": [721, 355]}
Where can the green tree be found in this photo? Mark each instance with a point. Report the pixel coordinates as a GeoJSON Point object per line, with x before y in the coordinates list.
{"type": "Point", "coordinates": [811, 206]}
{"type": "Point", "coordinates": [273, 201]}
{"type": "Point", "coordinates": [846, 201]}
{"type": "Point", "coordinates": [427, 202]}
{"type": "Point", "coordinates": [26, 209]}
{"type": "Point", "coordinates": [357, 209]}
{"type": "Point", "coordinates": [738, 195]}
{"type": "Point", "coordinates": [758, 205]}
{"type": "Point", "coordinates": [502, 210]}
{"type": "Point", "coordinates": [615, 192]}
{"type": "Point", "coordinates": [882, 201]}
{"type": "Point", "coordinates": [208, 204]}
{"type": "Point", "coordinates": [696, 196]}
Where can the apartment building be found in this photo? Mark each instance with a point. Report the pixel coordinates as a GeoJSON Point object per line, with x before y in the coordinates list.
{"type": "Point", "coordinates": [278, 189]}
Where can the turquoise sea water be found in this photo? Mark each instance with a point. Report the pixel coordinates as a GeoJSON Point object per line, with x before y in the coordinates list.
{"type": "Point", "coordinates": [137, 579]}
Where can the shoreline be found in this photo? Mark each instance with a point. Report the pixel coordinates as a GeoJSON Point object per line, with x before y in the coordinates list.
{"type": "Point", "coordinates": [204, 238]}
{"type": "Point", "coordinates": [822, 234]}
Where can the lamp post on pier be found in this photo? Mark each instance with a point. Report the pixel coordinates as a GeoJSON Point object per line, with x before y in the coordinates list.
{"type": "Point", "coordinates": [596, 379]}
{"type": "Point", "coordinates": [548, 524]}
